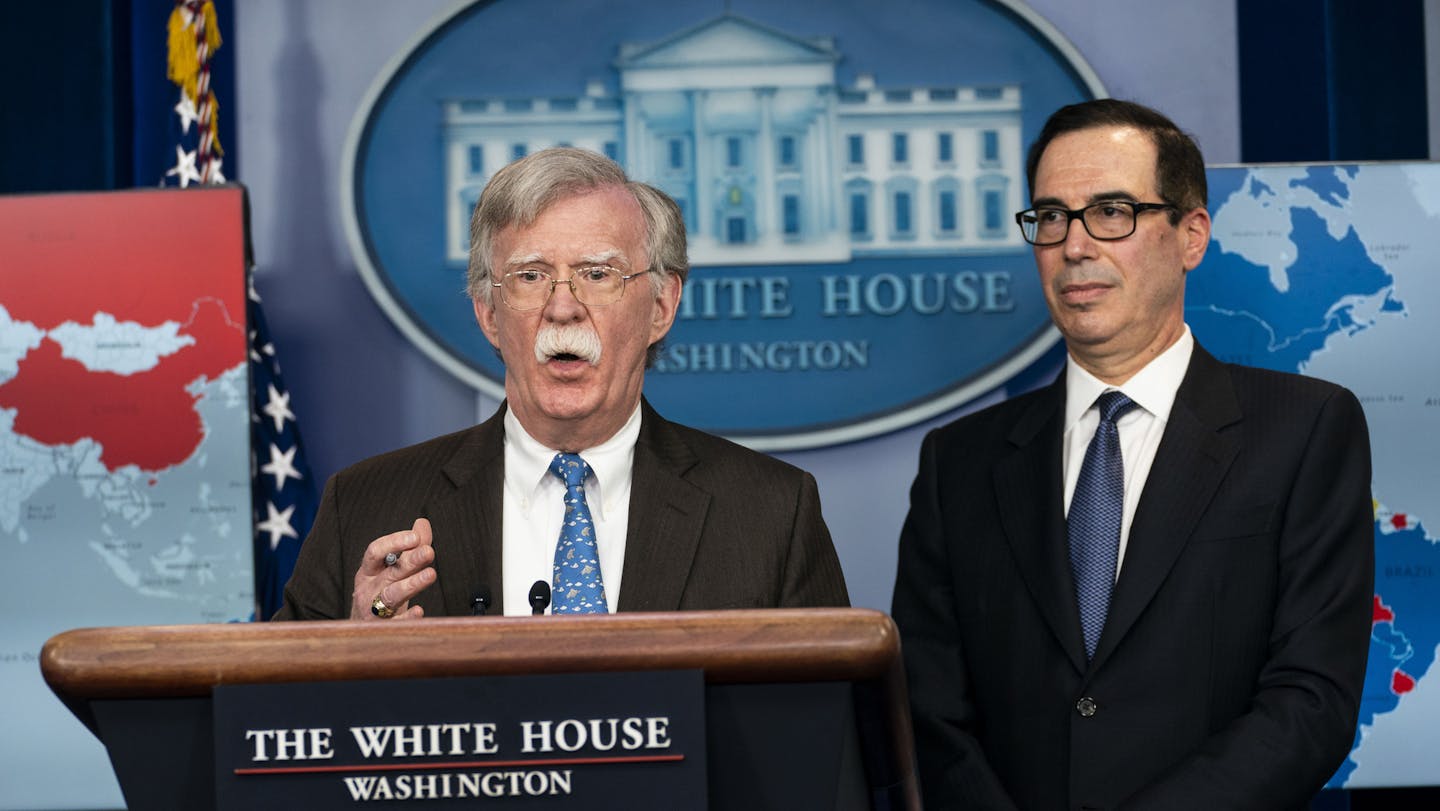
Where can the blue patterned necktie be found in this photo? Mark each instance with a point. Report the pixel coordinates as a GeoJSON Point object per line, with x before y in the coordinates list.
{"type": "Point", "coordinates": [577, 585]}
{"type": "Point", "coordinates": [1094, 521]}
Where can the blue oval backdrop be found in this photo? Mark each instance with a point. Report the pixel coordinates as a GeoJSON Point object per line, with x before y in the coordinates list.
{"type": "Point", "coordinates": [848, 172]}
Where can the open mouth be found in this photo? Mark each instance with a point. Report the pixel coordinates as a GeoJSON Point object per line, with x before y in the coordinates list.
{"type": "Point", "coordinates": [565, 357]}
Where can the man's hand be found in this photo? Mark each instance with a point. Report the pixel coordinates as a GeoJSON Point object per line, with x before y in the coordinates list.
{"type": "Point", "coordinates": [394, 584]}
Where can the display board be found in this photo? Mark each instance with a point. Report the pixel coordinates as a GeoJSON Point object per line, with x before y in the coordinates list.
{"type": "Point", "coordinates": [124, 446]}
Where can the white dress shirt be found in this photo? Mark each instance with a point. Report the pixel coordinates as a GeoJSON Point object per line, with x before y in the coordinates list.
{"type": "Point", "coordinates": [1153, 389]}
{"type": "Point", "coordinates": [535, 506]}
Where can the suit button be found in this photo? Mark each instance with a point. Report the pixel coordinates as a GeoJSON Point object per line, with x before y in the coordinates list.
{"type": "Point", "coordinates": [1086, 706]}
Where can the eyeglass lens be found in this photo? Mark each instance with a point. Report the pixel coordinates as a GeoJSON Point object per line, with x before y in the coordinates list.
{"type": "Point", "coordinates": [530, 289]}
{"type": "Point", "coordinates": [1050, 226]}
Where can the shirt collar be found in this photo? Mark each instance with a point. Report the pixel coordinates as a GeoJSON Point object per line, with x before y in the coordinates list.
{"type": "Point", "coordinates": [527, 461]}
{"type": "Point", "coordinates": [1153, 388]}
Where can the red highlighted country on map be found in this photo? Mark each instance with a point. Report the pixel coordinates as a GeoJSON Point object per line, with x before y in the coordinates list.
{"type": "Point", "coordinates": [1401, 682]}
{"type": "Point", "coordinates": [1381, 612]}
{"type": "Point", "coordinates": [146, 419]}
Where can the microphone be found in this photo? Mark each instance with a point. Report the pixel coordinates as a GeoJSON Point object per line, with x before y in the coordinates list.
{"type": "Point", "coordinates": [480, 602]}
{"type": "Point", "coordinates": [539, 597]}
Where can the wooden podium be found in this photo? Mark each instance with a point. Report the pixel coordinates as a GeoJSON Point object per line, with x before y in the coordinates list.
{"type": "Point", "coordinates": [770, 677]}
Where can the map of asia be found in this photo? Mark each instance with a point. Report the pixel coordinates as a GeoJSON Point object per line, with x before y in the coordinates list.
{"type": "Point", "coordinates": [124, 445]}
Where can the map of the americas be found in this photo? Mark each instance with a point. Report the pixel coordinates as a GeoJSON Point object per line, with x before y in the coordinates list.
{"type": "Point", "coordinates": [1334, 271]}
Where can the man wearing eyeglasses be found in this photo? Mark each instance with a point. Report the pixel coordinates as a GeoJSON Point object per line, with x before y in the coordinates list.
{"type": "Point", "coordinates": [1148, 585]}
{"type": "Point", "coordinates": [576, 497]}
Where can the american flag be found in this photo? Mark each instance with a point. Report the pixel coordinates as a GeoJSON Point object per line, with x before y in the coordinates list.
{"type": "Point", "coordinates": [283, 497]}
{"type": "Point", "coordinates": [194, 36]}
{"type": "Point", "coordinates": [281, 489]}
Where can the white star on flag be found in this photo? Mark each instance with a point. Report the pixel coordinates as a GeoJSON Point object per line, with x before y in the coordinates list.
{"type": "Point", "coordinates": [278, 524]}
{"type": "Point", "coordinates": [277, 408]}
{"type": "Point", "coordinates": [187, 112]}
{"type": "Point", "coordinates": [281, 466]}
{"type": "Point", "coordinates": [184, 167]}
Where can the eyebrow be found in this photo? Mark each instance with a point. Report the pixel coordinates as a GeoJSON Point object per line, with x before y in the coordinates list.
{"type": "Point", "coordinates": [517, 259]}
{"type": "Point", "coordinates": [613, 256]}
{"type": "Point", "coordinates": [1098, 197]}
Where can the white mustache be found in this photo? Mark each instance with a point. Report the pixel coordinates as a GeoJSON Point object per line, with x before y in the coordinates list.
{"type": "Point", "coordinates": [571, 339]}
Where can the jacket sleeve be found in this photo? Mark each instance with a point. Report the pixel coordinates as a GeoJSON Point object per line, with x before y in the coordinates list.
{"type": "Point", "coordinates": [953, 770]}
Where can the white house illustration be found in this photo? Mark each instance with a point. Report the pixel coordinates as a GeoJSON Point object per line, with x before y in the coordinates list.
{"type": "Point", "coordinates": [769, 158]}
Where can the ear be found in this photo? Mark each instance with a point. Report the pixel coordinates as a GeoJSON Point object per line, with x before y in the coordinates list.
{"type": "Point", "coordinates": [485, 317]}
{"type": "Point", "coordinates": [667, 302]}
{"type": "Point", "coordinates": [1195, 231]}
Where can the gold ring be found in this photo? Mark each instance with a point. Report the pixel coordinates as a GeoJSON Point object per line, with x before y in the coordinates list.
{"type": "Point", "coordinates": [380, 609]}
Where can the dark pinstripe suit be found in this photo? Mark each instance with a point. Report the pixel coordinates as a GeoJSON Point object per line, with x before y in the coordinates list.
{"type": "Point", "coordinates": [712, 525]}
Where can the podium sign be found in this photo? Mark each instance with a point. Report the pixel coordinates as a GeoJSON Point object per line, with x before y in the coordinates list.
{"type": "Point", "coordinates": [607, 740]}
{"type": "Point", "coordinates": [803, 708]}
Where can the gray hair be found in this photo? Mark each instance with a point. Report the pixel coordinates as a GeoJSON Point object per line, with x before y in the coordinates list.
{"type": "Point", "coordinates": [520, 192]}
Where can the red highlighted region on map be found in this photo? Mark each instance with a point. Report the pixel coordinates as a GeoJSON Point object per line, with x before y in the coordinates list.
{"type": "Point", "coordinates": [1381, 612]}
{"type": "Point", "coordinates": [1401, 682]}
{"type": "Point", "coordinates": [1401, 649]}
{"type": "Point", "coordinates": [146, 419]}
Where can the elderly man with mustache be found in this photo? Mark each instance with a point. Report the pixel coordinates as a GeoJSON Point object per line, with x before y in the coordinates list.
{"type": "Point", "coordinates": [576, 488]}
{"type": "Point", "coordinates": [1147, 585]}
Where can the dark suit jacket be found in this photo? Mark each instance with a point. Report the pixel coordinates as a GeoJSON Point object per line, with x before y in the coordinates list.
{"type": "Point", "coordinates": [1228, 674]}
{"type": "Point", "coordinates": [712, 525]}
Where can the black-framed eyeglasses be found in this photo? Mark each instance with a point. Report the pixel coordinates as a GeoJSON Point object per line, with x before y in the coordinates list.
{"type": "Point", "coordinates": [1112, 219]}
{"type": "Point", "coordinates": [593, 286]}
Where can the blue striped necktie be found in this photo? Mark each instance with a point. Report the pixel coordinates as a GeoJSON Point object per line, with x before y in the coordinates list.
{"type": "Point", "coordinates": [1096, 509]}
{"type": "Point", "coordinates": [577, 585]}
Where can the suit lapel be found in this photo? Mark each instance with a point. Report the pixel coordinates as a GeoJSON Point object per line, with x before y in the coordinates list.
{"type": "Point", "coordinates": [667, 514]}
{"type": "Point", "coordinates": [467, 519]}
{"type": "Point", "coordinates": [1036, 533]}
{"type": "Point", "coordinates": [1193, 458]}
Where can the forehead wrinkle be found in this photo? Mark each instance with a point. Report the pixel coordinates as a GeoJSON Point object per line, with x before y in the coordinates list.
{"type": "Point", "coordinates": [1097, 197]}
{"type": "Point", "coordinates": [609, 256]}
{"type": "Point", "coordinates": [1112, 196]}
